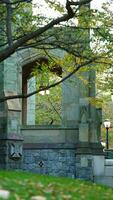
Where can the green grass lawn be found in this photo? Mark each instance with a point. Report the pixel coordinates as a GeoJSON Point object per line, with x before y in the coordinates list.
{"type": "Point", "coordinates": [27, 185]}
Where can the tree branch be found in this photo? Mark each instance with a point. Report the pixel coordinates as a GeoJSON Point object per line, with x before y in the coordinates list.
{"type": "Point", "coordinates": [80, 2]}
{"type": "Point", "coordinates": [49, 86]}
{"type": "Point", "coordinates": [8, 23]}
{"type": "Point", "coordinates": [11, 3]}
{"type": "Point", "coordinates": [70, 14]}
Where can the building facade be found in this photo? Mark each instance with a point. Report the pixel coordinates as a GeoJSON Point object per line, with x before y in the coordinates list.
{"type": "Point", "coordinates": [69, 149]}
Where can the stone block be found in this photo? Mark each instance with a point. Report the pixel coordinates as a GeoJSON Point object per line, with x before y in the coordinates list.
{"type": "Point", "coordinates": [43, 136]}
{"type": "Point", "coordinates": [71, 136]}
{"type": "Point", "coordinates": [29, 159]}
{"type": "Point", "coordinates": [83, 132]}
{"type": "Point", "coordinates": [84, 173]}
{"type": "Point", "coordinates": [70, 153]}
{"type": "Point", "coordinates": [84, 162]}
{"type": "Point", "coordinates": [108, 162]}
{"type": "Point", "coordinates": [44, 155]}
{"type": "Point", "coordinates": [108, 171]}
{"type": "Point", "coordinates": [53, 157]}
{"type": "Point", "coordinates": [104, 180]}
{"type": "Point", "coordinates": [13, 104]}
{"type": "Point", "coordinates": [98, 165]}
{"type": "Point", "coordinates": [71, 160]}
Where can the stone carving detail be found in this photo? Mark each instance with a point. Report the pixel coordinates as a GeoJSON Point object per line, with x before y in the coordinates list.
{"type": "Point", "coordinates": [83, 114]}
{"type": "Point", "coordinates": [15, 151]}
{"type": "Point", "coordinates": [98, 122]}
{"type": "Point", "coordinates": [41, 164]}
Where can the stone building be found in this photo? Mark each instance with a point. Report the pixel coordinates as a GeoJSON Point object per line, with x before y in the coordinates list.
{"type": "Point", "coordinates": [66, 150]}
{"type": "Point", "coordinates": [72, 149]}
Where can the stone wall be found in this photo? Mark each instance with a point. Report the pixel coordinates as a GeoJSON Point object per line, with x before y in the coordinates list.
{"type": "Point", "coordinates": [84, 167]}
{"type": "Point", "coordinates": [58, 162]}
{"type": "Point", "coordinates": [55, 162]}
{"type": "Point", "coordinates": [53, 151]}
{"type": "Point", "coordinates": [50, 150]}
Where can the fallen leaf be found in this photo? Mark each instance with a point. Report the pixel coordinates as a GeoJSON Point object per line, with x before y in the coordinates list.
{"type": "Point", "coordinates": [38, 198]}
{"type": "Point", "coordinates": [66, 197]}
{"type": "Point", "coordinates": [17, 197]}
{"type": "Point", "coordinates": [40, 185]}
{"type": "Point", "coordinates": [48, 190]}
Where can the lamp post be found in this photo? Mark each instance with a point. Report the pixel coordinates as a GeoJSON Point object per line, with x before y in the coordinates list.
{"type": "Point", "coordinates": [107, 124]}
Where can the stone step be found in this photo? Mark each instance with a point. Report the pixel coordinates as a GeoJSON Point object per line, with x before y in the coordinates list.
{"type": "Point", "coordinates": [108, 171]}
{"type": "Point", "coordinates": [104, 180]}
{"type": "Point", "coordinates": [108, 162]}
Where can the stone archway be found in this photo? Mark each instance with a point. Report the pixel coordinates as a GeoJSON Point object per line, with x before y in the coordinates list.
{"type": "Point", "coordinates": [76, 140]}
{"type": "Point", "coordinates": [27, 65]}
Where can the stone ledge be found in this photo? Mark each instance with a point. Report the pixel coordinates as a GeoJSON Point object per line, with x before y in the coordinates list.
{"type": "Point", "coordinates": [46, 127]}
{"type": "Point", "coordinates": [49, 146]}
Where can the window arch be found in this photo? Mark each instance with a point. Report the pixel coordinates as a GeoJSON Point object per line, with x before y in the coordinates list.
{"type": "Point", "coordinates": [43, 108]}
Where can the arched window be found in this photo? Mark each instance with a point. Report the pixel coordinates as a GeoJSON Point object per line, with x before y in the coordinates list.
{"type": "Point", "coordinates": [43, 108]}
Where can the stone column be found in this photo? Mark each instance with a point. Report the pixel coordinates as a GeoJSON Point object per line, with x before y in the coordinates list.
{"type": "Point", "coordinates": [31, 102]}
{"type": "Point", "coordinates": [89, 127]}
{"type": "Point", "coordinates": [10, 113]}
{"type": "Point", "coordinates": [70, 108]}
{"type": "Point", "coordinates": [70, 102]}
{"type": "Point", "coordinates": [89, 146]}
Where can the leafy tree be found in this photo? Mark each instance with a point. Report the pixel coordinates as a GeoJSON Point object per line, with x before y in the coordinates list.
{"type": "Point", "coordinates": [20, 29]}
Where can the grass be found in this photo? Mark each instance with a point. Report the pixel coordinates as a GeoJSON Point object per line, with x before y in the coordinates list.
{"type": "Point", "coordinates": [24, 186]}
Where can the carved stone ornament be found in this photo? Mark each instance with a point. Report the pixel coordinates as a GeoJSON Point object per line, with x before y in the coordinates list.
{"type": "Point", "coordinates": [99, 115]}
{"type": "Point", "coordinates": [41, 164]}
{"type": "Point", "coordinates": [15, 151]}
{"type": "Point", "coordinates": [83, 114]}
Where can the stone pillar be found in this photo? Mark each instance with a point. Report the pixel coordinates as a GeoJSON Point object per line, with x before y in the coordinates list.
{"type": "Point", "coordinates": [70, 102]}
{"type": "Point", "coordinates": [10, 113]}
{"type": "Point", "coordinates": [31, 102]}
{"type": "Point", "coordinates": [89, 127]}
{"type": "Point", "coordinates": [89, 144]}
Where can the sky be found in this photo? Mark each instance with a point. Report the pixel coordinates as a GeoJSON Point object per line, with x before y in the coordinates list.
{"type": "Point", "coordinates": [44, 9]}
